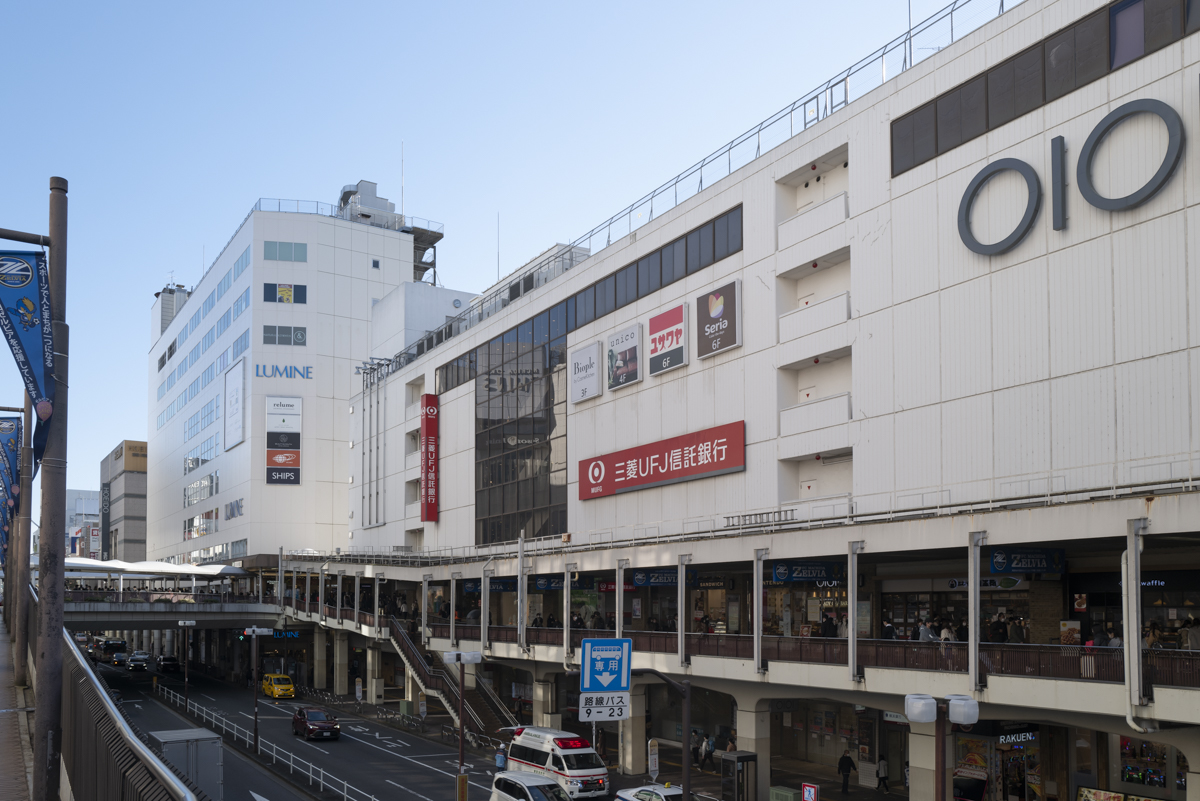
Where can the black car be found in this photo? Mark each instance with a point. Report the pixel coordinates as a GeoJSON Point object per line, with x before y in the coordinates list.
{"type": "Point", "coordinates": [168, 664]}
{"type": "Point", "coordinates": [312, 723]}
{"type": "Point", "coordinates": [137, 663]}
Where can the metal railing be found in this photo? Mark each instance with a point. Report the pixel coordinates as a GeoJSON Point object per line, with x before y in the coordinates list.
{"type": "Point", "coordinates": [399, 223]}
{"type": "Point", "coordinates": [922, 40]}
{"type": "Point", "coordinates": [497, 706]}
{"type": "Point", "coordinates": [317, 777]}
{"type": "Point", "coordinates": [362, 708]}
{"type": "Point", "coordinates": [1086, 663]}
{"type": "Point", "coordinates": [156, 596]}
{"type": "Point", "coordinates": [430, 678]}
{"type": "Point", "coordinates": [100, 749]}
{"type": "Point", "coordinates": [1171, 668]}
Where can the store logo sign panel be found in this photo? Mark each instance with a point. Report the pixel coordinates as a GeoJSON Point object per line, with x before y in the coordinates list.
{"type": "Point", "coordinates": [719, 320]}
{"type": "Point", "coordinates": [429, 458]}
{"type": "Point", "coordinates": [284, 424]}
{"type": "Point", "coordinates": [624, 352]}
{"type": "Point", "coordinates": [585, 373]}
{"type": "Point", "coordinates": [712, 452]}
{"type": "Point", "coordinates": [668, 340]}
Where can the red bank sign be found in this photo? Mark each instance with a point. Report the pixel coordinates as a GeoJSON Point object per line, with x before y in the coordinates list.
{"type": "Point", "coordinates": [429, 458]}
{"type": "Point", "coordinates": [712, 452]}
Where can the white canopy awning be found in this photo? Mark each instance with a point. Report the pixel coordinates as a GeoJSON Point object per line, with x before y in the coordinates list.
{"type": "Point", "coordinates": [95, 568]}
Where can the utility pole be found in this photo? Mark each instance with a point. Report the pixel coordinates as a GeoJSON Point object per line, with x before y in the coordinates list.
{"type": "Point", "coordinates": [47, 745]}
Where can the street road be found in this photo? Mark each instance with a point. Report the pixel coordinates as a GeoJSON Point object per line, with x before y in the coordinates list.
{"type": "Point", "coordinates": [388, 763]}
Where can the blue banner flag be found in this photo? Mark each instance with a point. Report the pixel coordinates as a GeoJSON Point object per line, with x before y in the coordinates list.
{"type": "Point", "coordinates": [10, 459]}
{"type": "Point", "coordinates": [25, 323]}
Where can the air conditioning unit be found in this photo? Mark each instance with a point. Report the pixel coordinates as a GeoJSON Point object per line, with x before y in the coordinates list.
{"type": "Point", "coordinates": [566, 537]}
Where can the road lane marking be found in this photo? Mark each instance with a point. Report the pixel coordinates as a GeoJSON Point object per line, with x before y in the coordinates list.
{"type": "Point", "coordinates": [410, 759]}
{"type": "Point", "coordinates": [405, 789]}
{"type": "Point", "coordinates": [209, 697]}
{"type": "Point", "coordinates": [310, 745]}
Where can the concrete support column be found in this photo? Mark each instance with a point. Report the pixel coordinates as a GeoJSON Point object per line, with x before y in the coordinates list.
{"type": "Point", "coordinates": [754, 734]}
{"type": "Point", "coordinates": [144, 640]}
{"type": "Point", "coordinates": [341, 663]}
{"type": "Point", "coordinates": [373, 683]}
{"type": "Point", "coordinates": [470, 679]}
{"type": "Point", "coordinates": [169, 642]}
{"type": "Point", "coordinates": [632, 732]}
{"type": "Point", "coordinates": [543, 702]}
{"type": "Point", "coordinates": [412, 691]}
{"type": "Point", "coordinates": [158, 637]}
{"type": "Point", "coordinates": [922, 761]}
{"type": "Point", "coordinates": [320, 668]}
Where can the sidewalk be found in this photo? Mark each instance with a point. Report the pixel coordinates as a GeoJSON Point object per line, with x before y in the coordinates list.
{"type": "Point", "coordinates": [784, 773]}
{"type": "Point", "coordinates": [15, 773]}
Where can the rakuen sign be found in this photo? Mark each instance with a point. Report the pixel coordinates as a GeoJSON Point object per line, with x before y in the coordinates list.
{"type": "Point", "coordinates": [429, 458]}
{"type": "Point", "coordinates": [712, 452]}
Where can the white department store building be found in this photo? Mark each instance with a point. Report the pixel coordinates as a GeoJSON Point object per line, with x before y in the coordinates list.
{"type": "Point", "coordinates": [913, 317]}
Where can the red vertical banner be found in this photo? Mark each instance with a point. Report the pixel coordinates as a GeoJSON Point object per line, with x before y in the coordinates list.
{"type": "Point", "coordinates": [429, 458]}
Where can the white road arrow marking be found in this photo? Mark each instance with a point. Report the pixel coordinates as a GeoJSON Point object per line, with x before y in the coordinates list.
{"type": "Point", "coordinates": [257, 797]}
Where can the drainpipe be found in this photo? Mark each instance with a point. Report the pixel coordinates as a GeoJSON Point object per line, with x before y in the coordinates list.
{"type": "Point", "coordinates": [568, 569]}
{"type": "Point", "coordinates": [683, 614]}
{"type": "Point", "coordinates": [1131, 605]}
{"type": "Point", "coordinates": [977, 539]}
{"type": "Point", "coordinates": [485, 606]}
{"type": "Point", "coordinates": [621, 565]}
{"type": "Point", "coordinates": [522, 592]}
{"type": "Point", "coordinates": [454, 577]}
{"type": "Point", "coordinates": [757, 610]}
{"type": "Point", "coordinates": [852, 612]}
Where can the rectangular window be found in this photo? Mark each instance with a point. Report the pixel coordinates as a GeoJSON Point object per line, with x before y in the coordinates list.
{"type": "Point", "coordinates": [241, 344]}
{"type": "Point", "coordinates": [283, 335]}
{"type": "Point", "coordinates": [606, 296]}
{"type": "Point", "coordinates": [626, 286]}
{"type": "Point", "coordinates": [270, 251]}
{"type": "Point", "coordinates": [162, 362]}
{"type": "Point", "coordinates": [242, 303]}
{"type": "Point", "coordinates": [299, 293]}
{"type": "Point", "coordinates": [183, 335]}
{"type": "Point", "coordinates": [241, 264]}
{"type": "Point", "coordinates": [374, 264]}
{"type": "Point", "coordinates": [193, 389]}
{"type": "Point", "coordinates": [225, 284]}
{"type": "Point", "coordinates": [268, 335]}
{"type": "Point", "coordinates": [270, 293]}
{"type": "Point", "coordinates": [649, 274]}
{"type": "Point", "coordinates": [285, 251]}
{"type": "Point", "coordinates": [225, 321]}
{"type": "Point", "coordinates": [194, 323]}
{"type": "Point", "coordinates": [162, 390]}
{"type": "Point", "coordinates": [1128, 32]}
{"type": "Point", "coordinates": [210, 302]}
{"type": "Point", "coordinates": [585, 307]}
{"type": "Point", "coordinates": [209, 339]}
{"type": "Point", "coordinates": [194, 355]}
{"type": "Point", "coordinates": [171, 380]}
{"type": "Point", "coordinates": [170, 350]}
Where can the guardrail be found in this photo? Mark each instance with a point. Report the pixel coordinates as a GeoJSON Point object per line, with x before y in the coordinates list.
{"type": "Point", "coordinates": [362, 708]}
{"type": "Point", "coordinates": [317, 777]}
{"type": "Point", "coordinates": [155, 596]}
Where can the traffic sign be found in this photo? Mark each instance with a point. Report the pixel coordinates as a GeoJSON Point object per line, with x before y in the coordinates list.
{"type": "Point", "coordinates": [187, 623]}
{"type": "Point", "coordinates": [652, 759]}
{"type": "Point", "coordinates": [605, 667]}
{"type": "Point", "coordinates": [421, 709]}
{"type": "Point", "coordinates": [358, 689]}
{"type": "Point", "coordinates": [255, 631]}
{"type": "Point", "coordinates": [812, 792]}
{"type": "Point", "coordinates": [603, 706]}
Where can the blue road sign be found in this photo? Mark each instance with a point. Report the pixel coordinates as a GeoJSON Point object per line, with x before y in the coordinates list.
{"type": "Point", "coordinates": [605, 666]}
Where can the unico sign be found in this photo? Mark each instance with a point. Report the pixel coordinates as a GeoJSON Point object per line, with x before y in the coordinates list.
{"type": "Point", "coordinates": [429, 458]}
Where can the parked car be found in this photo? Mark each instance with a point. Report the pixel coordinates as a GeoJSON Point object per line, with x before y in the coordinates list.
{"type": "Point", "coordinates": [277, 685]}
{"type": "Point", "coordinates": [652, 792]}
{"type": "Point", "coordinates": [312, 723]}
{"type": "Point", "coordinates": [512, 785]}
{"type": "Point", "coordinates": [168, 664]}
{"type": "Point", "coordinates": [136, 662]}
{"type": "Point", "coordinates": [119, 658]}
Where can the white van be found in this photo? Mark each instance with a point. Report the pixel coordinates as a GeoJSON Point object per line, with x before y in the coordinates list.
{"type": "Point", "coordinates": [568, 759]}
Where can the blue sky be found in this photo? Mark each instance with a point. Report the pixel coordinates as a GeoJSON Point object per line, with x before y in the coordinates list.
{"type": "Point", "coordinates": [170, 120]}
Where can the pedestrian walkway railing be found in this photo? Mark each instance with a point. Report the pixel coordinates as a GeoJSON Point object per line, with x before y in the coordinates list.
{"type": "Point", "coordinates": [101, 751]}
{"type": "Point", "coordinates": [431, 678]}
{"type": "Point", "coordinates": [361, 708]}
{"type": "Point", "coordinates": [498, 707]}
{"type": "Point", "coordinates": [317, 776]}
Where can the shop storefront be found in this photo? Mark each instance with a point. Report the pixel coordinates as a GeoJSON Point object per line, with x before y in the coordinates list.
{"type": "Point", "coordinates": [906, 602]}
{"type": "Point", "coordinates": [806, 598]}
{"type": "Point", "coordinates": [1169, 598]}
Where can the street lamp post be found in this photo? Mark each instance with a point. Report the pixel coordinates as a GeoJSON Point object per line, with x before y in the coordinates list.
{"type": "Point", "coordinates": [185, 627]}
{"type": "Point", "coordinates": [463, 658]}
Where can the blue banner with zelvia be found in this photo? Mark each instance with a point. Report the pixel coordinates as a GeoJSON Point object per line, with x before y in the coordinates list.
{"type": "Point", "coordinates": [26, 324]}
{"type": "Point", "coordinates": [1022, 559]}
{"type": "Point", "coordinates": [494, 585]}
{"type": "Point", "coordinates": [10, 478]}
{"type": "Point", "coordinates": [663, 577]}
{"type": "Point", "coordinates": [808, 571]}
{"type": "Point", "coordinates": [554, 581]}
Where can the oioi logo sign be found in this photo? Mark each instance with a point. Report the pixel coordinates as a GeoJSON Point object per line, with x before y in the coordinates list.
{"type": "Point", "coordinates": [1083, 177]}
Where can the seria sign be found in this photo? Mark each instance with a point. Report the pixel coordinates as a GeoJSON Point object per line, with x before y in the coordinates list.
{"type": "Point", "coordinates": [1083, 177]}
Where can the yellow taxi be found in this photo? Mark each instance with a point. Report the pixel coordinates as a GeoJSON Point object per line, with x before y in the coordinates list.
{"type": "Point", "coordinates": [277, 685]}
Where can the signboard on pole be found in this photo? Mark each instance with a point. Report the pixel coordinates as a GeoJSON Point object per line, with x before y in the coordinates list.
{"type": "Point", "coordinates": [604, 680]}
{"type": "Point", "coordinates": [810, 792]}
{"type": "Point", "coordinates": [652, 759]}
{"type": "Point", "coordinates": [358, 689]}
{"type": "Point", "coordinates": [429, 458]}
{"type": "Point", "coordinates": [422, 710]}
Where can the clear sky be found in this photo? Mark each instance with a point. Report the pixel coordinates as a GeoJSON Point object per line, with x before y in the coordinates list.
{"type": "Point", "coordinates": [170, 120]}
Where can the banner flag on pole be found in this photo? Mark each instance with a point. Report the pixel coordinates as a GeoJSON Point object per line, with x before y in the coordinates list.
{"type": "Point", "coordinates": [25, 322]}
{"type": "Point", "coordinates": [10, 460]}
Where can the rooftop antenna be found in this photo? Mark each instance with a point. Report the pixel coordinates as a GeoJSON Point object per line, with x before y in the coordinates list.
{"type": "Point", "coordinates": [402, 178]}
{"type": "Point", "coordinates": [497, 247]}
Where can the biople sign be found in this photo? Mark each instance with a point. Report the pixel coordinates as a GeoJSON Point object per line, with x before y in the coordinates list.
{"type": "Point", "coordinates": [1083, 177]}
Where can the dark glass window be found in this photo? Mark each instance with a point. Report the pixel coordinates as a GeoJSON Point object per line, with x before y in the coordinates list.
{"type": "Point", "coordinates": [626, 286]}
{"type": "Point", "coordinates": [606, 296]}
{"type": "Point", "coordinates": [735, 229]}
{"type": "Point", "coordinates": [268, 335]}
{"type": "Point", "coordinates": [558, 321]}
{"type": "Point", "coordinates": [525, 337]}
{"type": "Point", "coordinates": [300, 293]}
{"type": "Point", "coordinates": [1128, 32]}
{"type": "Point", "coordinates": [693, 252]}
{"type": "Point", "coordinates": [270, 293]}
{"type": "Point", "coordinates": [585, 307]}
{"type": "Point", "coordinates": [706, 245]}
{"type": "Point", "coordinates": [721, 237]}
{"type": "Point", "coordinates": [649, 272]}
{"type": "Point", "coordinates": [541, 328]}
{"type": "Point", "coordinates": [570, 314]}
{"type": "Point", "coordinates": [510, 344]}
